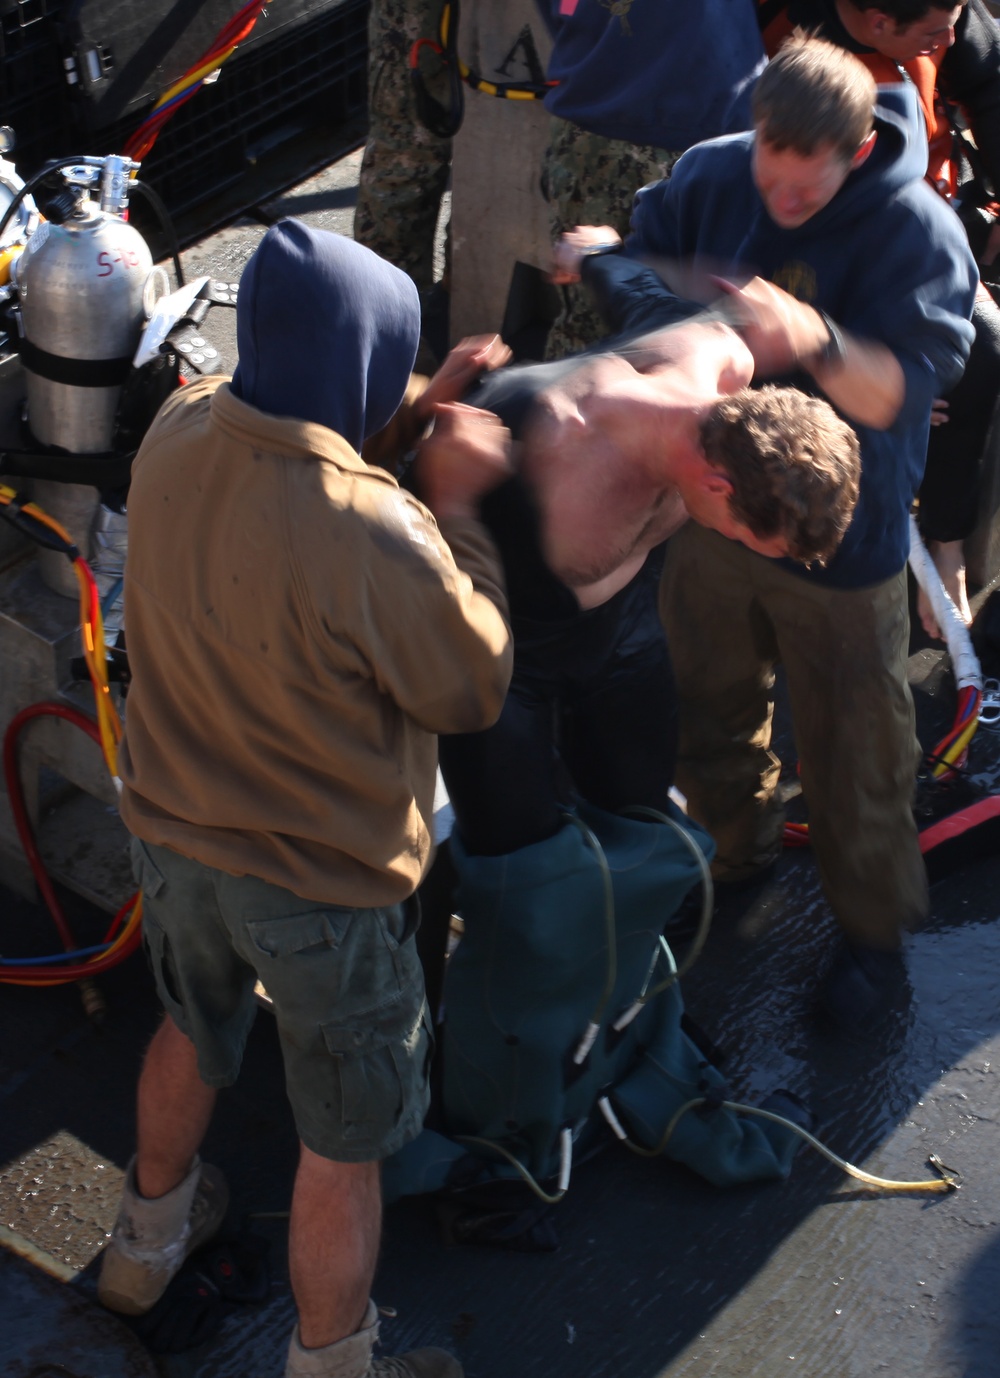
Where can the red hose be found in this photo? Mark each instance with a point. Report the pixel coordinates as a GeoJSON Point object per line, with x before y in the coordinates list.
{"type": "Point", "coordinates": [141, 141]}
{"type": "Point", "coordinates": [16, 794]}
{"type": "Point", "coordinates": [65, 971]}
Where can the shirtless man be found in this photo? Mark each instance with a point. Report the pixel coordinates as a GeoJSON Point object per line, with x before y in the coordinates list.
{"type": "Point", "coordinates": [615, 457]}
{"type": "Point", "coordinates": [613, 451]}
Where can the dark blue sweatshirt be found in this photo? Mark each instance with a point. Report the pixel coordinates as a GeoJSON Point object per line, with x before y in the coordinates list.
{"type": "Point", "coordinates": [887, 259]}
{"type": "Point", "coordinates": [326, 331]}
{"type": "Point", "coordinates": [663, 72]}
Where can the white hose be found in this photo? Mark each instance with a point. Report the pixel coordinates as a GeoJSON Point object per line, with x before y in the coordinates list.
{"type": "Point", "coordinates": [964, 661]}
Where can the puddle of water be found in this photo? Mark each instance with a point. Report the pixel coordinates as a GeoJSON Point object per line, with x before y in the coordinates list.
{"type": "Point", "coordinates": [61, 1197]}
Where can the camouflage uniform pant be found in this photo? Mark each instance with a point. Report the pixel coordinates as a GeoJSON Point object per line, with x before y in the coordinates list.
{"type": "Point", "coordinates": [590, 180]}
{"type": "Point", "coordinates": [404, 170]}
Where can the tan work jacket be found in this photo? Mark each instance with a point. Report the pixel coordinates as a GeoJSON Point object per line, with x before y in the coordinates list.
{"type": "Point", "coordinates": [298, 631]}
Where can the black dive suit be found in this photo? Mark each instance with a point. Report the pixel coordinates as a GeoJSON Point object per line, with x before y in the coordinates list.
{"type": "Point", "coordinates": [591, 706]}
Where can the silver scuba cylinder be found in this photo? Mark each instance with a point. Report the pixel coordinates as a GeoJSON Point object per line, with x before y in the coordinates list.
{"type": "Point", "coordinates": [80, 284]}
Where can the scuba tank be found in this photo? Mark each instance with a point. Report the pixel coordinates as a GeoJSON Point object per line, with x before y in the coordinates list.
{"type": "Point", "coordinates": [80, 283]}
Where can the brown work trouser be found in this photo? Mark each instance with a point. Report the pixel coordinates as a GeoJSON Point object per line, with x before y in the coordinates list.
{"type": "Point", "coordinates": [730, 617]}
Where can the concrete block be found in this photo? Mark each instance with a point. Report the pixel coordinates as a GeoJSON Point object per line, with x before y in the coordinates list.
{"type": "Point", "coordinates": [498, 216]}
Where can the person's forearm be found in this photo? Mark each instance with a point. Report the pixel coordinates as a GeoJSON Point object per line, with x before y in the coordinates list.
{"type": "Point", "coordinates": [868, 386]}
{"type": "Point", "coordinates": [861, 377]}
{"type": "Point", "coordinates": [631, 296]}
{"type": "Point", "coordinates": [387, 447]}
{"type": "Point", "coordinates": [470, 666]}
{"type": "Point", "coordinates": [467, 454]}
{"type": "Point", "coordinates": [475, 554]}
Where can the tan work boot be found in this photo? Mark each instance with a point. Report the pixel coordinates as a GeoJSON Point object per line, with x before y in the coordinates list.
{"type": "Point", "coordinates": [351, 1357]}
{"type": "Point", "coordinates": [153, 1237]}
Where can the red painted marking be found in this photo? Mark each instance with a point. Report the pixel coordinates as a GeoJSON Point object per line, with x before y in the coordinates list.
{"type": "Point", "coordinates": [127, 257]}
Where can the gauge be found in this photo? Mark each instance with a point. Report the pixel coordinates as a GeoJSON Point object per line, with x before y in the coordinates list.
{"type": "Point", "coordinates": [25, 218]}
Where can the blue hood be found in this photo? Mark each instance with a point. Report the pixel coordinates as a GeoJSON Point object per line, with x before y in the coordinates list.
{"type": "Point", "coordinates": [326, 330]}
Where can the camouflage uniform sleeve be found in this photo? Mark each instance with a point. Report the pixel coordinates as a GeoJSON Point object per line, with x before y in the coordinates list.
{"type": "Point", "coordinates": [404, 170]}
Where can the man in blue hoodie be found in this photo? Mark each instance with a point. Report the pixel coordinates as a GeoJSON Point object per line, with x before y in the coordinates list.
{"type": "Point", "coordinates": [858, 285]}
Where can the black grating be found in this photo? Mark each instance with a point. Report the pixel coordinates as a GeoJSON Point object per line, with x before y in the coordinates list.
{"type": "Point", "coordinates": [306, 77]}
{"type": "Point", "coordinates": [34, 98]}
{"type": "Point", "coordinates": [18, 18]}
{"type": "Point", "coordinates": [311, 78]}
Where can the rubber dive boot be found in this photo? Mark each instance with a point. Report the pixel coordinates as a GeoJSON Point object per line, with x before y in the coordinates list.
{"type": "Point", "coordinates": [153, 1237]}
{"type": "Point", "coordinates": [861, 986]}
{"type": "Point", "coordinates": [352, 1358]}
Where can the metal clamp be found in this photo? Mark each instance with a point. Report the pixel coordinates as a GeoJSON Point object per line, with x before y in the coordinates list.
{"type": "Point", "coordinates": [989, 708]}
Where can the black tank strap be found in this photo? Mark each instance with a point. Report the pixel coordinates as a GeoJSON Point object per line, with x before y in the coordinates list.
{"type": "Point", "coordinates": [78, 373]}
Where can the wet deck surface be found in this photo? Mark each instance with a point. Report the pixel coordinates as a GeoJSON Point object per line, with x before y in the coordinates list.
{"type": "Point", "coordinates": [656, 1273]}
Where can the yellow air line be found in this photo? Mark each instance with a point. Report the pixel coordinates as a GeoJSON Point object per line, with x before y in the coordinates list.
{"type": "Point", "coordinates": [947, 1181]}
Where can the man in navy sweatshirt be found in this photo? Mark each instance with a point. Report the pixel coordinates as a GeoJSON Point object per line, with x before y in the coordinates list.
{"type": "Point", "coordinates": [859, 285]}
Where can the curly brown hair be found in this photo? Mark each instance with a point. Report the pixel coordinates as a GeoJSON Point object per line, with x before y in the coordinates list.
{"type": "Point", "coordinates": [794, 465]}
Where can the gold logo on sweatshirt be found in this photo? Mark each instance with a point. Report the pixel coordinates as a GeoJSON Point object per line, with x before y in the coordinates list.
{"type": "Point", "coordinates": [619, 10]}
{"type": "Point", "coordinates": [798, 280]}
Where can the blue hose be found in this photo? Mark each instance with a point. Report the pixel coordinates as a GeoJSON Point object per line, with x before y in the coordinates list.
{"type": "Point", "coordinates": [59, 957]}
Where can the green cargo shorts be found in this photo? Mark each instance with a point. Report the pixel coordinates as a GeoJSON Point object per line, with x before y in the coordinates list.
{"type": "Point", "coordinates": [346, 984]}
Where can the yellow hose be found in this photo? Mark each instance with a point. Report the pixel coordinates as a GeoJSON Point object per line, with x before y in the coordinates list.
{"type": "Point", "coordinates": [947, 1181]}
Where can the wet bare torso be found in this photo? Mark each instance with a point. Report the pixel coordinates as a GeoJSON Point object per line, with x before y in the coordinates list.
{"type": "Point", "coordinates": [602, 446]}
